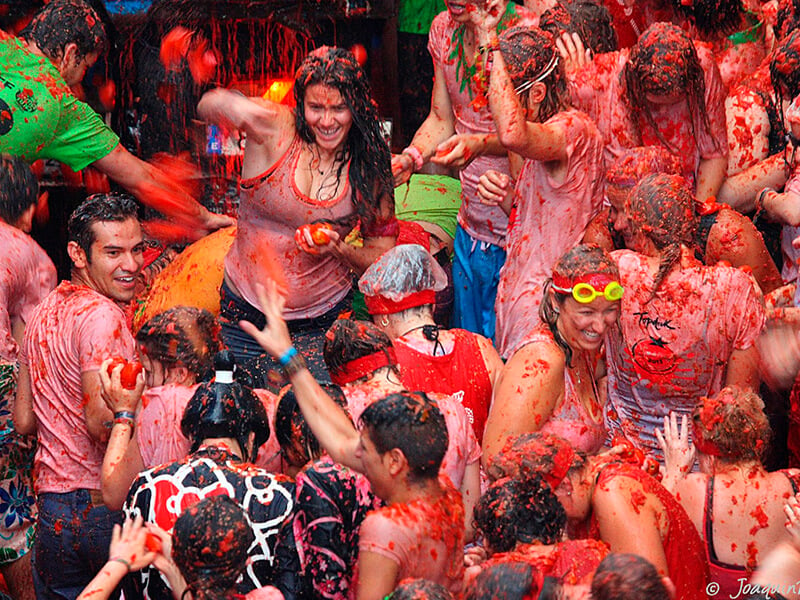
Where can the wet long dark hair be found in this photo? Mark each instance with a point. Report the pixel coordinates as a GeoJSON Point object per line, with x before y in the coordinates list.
{"type": "Point", "coordinates": [583, 259]}
{"type": "Point", "coordinates": [664, 61]}
{"type": "Point", "coordinates": [370, 159]}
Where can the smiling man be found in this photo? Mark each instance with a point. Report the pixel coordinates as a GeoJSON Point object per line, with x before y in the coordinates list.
{"type": "Point", "coordinates": [71, 332]}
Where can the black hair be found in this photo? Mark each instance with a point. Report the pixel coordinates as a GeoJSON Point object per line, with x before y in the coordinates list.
{"type": "Point", "coordinates": [291, 427]}
{"type": "Point", "coordinates": [712, 17]}
{"type": "Point", "coordinates": [420, 589]}
{"type": "Point", "coordinates": [19, 188]}
{"type": "Point", "coordinates": [182, 335]}
{"type": "Point", "coordinates": [347, 340]}
{"type": "Point", "coordinates": [627, 577]}
{"type": "Point", "coordinates": [365, 148]}
{"type": "Point", "coordinates": [210, 543]}
{"type": "Point", "coordinates": [784, 71]}
{"type": "Point", "coordinates": [225, 410]}
{"type": "Point", "coordinates": [517, 510]}
{"type": "Point", "coordinates": [787, 19]}
{"type": "Point", "coordinates": [98, 208]}
{"type": "Point", "coordinates": [591, 20]}
{"type": "Point", "coordinates": [413, 423]}
{"type": "Point", "coordinates": [512, 581]}
{"type": "Point", "coordinates": [63, 22]}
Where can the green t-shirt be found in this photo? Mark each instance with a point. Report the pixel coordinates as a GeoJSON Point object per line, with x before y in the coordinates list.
{"type": "Point", "coordinates": [416, 16]}
{"type": "Point", "coordinates": [432, 198]}
{"type": "Point", "coordinates": [39, 115]}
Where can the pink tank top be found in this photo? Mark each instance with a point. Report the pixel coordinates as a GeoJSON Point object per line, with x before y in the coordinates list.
{"type": "Point", "coordinates": [271, 210]}
{"type": "Point", "coordinates": [570, 419]}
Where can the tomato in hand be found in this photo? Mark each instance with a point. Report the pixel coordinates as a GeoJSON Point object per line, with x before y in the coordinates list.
{"type": "Point", "coordinates": [152, 542]}
{"type": "Point", "coordinates": [130, 372]}
{"type": "Point", "coordinates": [128, 375]}
{"type": "Point", "coordinates": [319, 233]}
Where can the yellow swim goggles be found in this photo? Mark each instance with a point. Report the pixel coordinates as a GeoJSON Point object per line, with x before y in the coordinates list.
{"type": "Point", "coordinates": [585, 292]}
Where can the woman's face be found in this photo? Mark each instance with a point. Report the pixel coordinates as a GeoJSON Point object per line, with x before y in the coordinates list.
{"type": "Point", "coordinates": [328, 116]}
{"type": "Point", "coordinates": [584, 325]}
{"type": "Point", "coordinates": [154, 372]}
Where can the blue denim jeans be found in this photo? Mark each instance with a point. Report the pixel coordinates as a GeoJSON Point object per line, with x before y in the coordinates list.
{"type": "Point", "coordinates": [476, 273]}
{"type": "Point", "coordinates": [71, 544]}
{"type": "Point", "coordinates": [308, 336]}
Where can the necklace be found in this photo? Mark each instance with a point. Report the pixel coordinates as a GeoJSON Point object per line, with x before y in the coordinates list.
{"type": "Point", "coordinates": [328, 178]}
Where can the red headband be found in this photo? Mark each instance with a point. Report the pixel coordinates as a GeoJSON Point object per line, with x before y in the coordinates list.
{"type": "Point", "coordinates": [380, 305]}
{"type": "Point", "coordinates": [598, 281]}
{"type": "Point", "coordinates": [361, 367]}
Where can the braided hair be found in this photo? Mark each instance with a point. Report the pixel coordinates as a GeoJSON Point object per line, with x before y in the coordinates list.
{"type": "Point", "coordinates": [661, 207]}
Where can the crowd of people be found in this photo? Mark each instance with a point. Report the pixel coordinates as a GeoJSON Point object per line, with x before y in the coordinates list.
{"type": "Point", "coordinates": [585, 205]}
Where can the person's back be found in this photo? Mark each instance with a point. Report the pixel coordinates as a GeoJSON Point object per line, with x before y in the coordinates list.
{"type": "Point", "coordinates": [27, 277]}
{"type": "Point", "coordinates": [466, 371]}
{"type": "Point", "coordinates": [161, 494]}
{"type": "Point", "coordinates": [425, 537]}
{"type": "Point", "coordinates": [734, 503]}
{"type": "Point", "coordinates": [226, 424]}
{"type": "Point", "coordinates": [674, 346]}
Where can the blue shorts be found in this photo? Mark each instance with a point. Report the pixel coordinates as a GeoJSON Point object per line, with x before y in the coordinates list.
{"type": "Point", "coordinates": [476, 274]}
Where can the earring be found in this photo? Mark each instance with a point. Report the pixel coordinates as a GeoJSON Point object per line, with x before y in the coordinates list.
{"type": "Point", "coordinates": [384, 321]}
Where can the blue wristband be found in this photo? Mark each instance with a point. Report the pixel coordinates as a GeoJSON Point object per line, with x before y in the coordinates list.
{"type": "Point", "coordinates": [287, 356]}
{"type": "Point", "coordinates": [125, 414]}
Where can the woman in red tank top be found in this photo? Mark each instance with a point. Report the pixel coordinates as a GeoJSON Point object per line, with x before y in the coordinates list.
{"type": "Point", "coordinates": [310, 174]}
{"type": "Point", "coordinates": [399, 290]}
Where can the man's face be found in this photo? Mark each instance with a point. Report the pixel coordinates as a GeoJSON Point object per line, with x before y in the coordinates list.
{"type": "Point", "coordinates": [114, 260]}
{"type": "Point", "coordinates": [73, 69]}
{"type": "Point", "coordinates": [375, 468]}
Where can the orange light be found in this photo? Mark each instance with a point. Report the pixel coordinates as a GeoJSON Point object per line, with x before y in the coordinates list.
{"type": "Point", "coordinates": [278, 91]}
